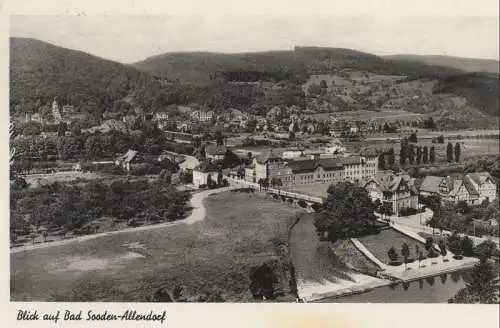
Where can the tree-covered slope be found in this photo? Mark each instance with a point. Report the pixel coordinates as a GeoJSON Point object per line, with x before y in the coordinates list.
{"type": "Point", "coordinates": [40, 71]}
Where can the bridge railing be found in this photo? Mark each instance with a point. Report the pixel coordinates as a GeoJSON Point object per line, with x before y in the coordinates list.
{"type": "Point", "coordinates": [314, 199]}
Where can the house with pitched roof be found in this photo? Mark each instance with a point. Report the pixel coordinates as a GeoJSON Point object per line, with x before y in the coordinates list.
{"type": "Point", "coordinates": [473, 188]}
{"type": "Point", "coordinates": [215, 153]}
{"type": "Point", "coordinates": [125, 161]}
{"type": "Point", "coordinates": [396, 190]}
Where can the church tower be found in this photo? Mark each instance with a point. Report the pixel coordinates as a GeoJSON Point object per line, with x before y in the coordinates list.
{"type": "Point", "coordinates": [55, 112]}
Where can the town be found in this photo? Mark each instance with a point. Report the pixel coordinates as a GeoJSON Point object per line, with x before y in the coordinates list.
{"type": "Point", "coordinates": [334, 188]}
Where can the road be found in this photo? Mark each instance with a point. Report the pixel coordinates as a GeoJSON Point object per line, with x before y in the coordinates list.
{"type": "Point", "coordinates": [417, 223]}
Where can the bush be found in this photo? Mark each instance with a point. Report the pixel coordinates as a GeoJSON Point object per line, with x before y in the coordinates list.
{"type": "Point", "coordinates": [407, 211]}
{"type": "Point", "coordinates": [432, 253]}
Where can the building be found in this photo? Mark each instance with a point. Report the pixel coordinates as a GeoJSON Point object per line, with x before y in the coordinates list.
{"type": "Point", "coordinates": [311, 168]}
{"type": "Point", "coordinates": [68, 109]}
{"type": "Point", "coordinates": [127, 159]}
{"type": "Point", "coordinates": [473, 188]}
{"type": "Point", "coordinates": [200, 177]}
{"type": "Point", "coordinates": [215, 153]}
{"type": "Point", "coordinates": [160, 117]}
{"type": "Point", "coordinates": [394, 191]}
{"type": "Point", "coordinates": [55, 112]}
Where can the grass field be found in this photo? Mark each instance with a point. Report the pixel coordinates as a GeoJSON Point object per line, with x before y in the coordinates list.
{"type": "Point", "coordinates": [311, 257]}
{"type": "Point", "coordinates": [380, 244]}
{"type": "Point", "coordinates": [215, 253]}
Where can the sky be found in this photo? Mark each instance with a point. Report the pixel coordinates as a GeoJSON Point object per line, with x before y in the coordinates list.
{"type": "Point", "coordinates": [129, 39]}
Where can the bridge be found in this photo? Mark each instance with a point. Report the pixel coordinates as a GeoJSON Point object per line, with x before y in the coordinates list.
{"type": "Point", "coordinates": [310, 201]}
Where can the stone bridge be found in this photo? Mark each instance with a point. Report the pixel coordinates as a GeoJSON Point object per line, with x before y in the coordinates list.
{"type": "Point", "coordinates": [312, 203]}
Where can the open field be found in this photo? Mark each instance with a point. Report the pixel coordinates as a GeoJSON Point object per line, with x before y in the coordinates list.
{"type": "Point", "coordinates": [470, 148]}
{"type": "Point", "coordinates": [386, 116]}
{"type": "Point", "coordinates": [217, 252]}
{"type": "Point", "coordinates": [380, 244]}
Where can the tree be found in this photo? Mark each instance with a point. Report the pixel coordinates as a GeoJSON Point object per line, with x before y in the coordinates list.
{"type": "Point", "coordinates": [432, 155]}
{"type": "Point", "coordinates": [457, 152]}
{"type": "Point", "coordinates": [485, 250]}
{"type": "Point", "coordinates": [61, 129]}
{"type": "Point", "coordinates": [442, 248]}
{"type": "Point", "coordinates": [440, 139]}
{"type": "Point", "coordinates": [209, 181]}
{"type": "Point", "coordinates": [93, 147]}
{"type": "Point", "coordinates": [425, 155]}
{"type": "Point", "coordinates": [230, 159]}
{"type": "Point", "coordinates": [261, 183]}
{"type": "Point", "coordinates": [410, 153]}
{"type": "Point", "coordinates": [392, 254]}
{"type": "Point", "coordinates": [481, 285]}
{"type": "Point", "coordinates": [429, 243]}
{"type": "Point", "coordinates": [265, 183]}
{"type": "Point", "coordinates": [323, 84]}
{"type": "Point", "coordinates": [419, 155]}
{"type": "Point", "coordinates": [413, 138]}
{"type": "Point", "coordinates": [449, 152]}
{"type": "Point", "coordinates": [405, 251]}
{"type": "Point", "coordinates": [347, 212]}
{"type": "Point", "coordinates": [220, 176]}
{"type": "Point", "coordinates": [467, 246]}
{"type": "Point", "coordinates": [391, 158]}
{"type": "Point", "coordinates": [381, 162]}
{"type": "Point", "coordinates": [219, 139]}
{"type": "Point", "coordinates": [402, 154]}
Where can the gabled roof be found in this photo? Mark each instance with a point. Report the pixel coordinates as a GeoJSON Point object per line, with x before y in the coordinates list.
{"type": "Point", "coordinates": [431, 184]}
{"type": "Point", "coordinates": [389, 182]}
{"type": "Point", "coordinates": [128, 157]}
{"type": "Point", "coordinates": [480, 177]}
{"type": "Point", "coordinates": [351, 160]}
{"type": "Point", "coordinates": [267, 155]}
{"type": "Point", "coordinates": [215, 150]}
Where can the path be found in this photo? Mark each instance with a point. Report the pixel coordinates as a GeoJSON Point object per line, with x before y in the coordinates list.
{"type": "Point", "coordinates": [197, 214]}
{"type": "Point", "coordinates": [417, 270]}
{"type": "Point", "coordinates": [417, 222]}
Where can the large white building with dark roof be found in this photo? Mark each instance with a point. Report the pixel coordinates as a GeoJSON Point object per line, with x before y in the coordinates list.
{"type": "Point", "coordinates": [311, 168]}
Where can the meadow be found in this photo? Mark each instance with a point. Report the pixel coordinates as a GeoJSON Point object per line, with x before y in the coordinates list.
{"type": "Point", "coordinates": [216, 253]}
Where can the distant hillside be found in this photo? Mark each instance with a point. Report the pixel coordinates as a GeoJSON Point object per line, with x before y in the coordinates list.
{"type": "Point", "coordinates": [40, 71]}
{"type": "Point", "coordinates": [464, 64]}
{"type": "Point", "coordinates": [480, 89]}
{"type": "Point", "coordinates": [202, 67]}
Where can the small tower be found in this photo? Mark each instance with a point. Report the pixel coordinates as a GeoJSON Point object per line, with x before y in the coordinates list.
{"type": "Point", "coordinates": [55, 112]}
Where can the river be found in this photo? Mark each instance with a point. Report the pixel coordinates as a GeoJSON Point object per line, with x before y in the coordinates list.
{"type": "Point", "coordinates": [429, 290]}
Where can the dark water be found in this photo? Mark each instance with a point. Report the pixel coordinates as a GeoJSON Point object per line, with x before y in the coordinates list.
{"type": "Point", "coordinates": [436, 289]}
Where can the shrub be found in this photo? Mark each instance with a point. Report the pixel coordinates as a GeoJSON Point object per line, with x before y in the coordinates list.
{"type": "Point", "coordinates": [432, 253]}
{"type": "Point", "coordinates": [407, 211]}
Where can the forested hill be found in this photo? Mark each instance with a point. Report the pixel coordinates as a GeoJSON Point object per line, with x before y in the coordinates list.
{"type": "Point", "coordinates": [464, 64]}
{"type": "Point", "coordinates": [40, 71]}
{"type": "Point", "coordinates": [202, 67]}
{"type": "Point", "coordinates": [480, 89]}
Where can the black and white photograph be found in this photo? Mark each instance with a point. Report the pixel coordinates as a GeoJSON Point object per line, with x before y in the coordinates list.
{"type": "Point", "coordinates": [254, 159]}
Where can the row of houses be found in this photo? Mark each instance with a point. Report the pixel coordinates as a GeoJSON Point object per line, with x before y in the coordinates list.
{"type": "Point", "coordinates": [472, 188]}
